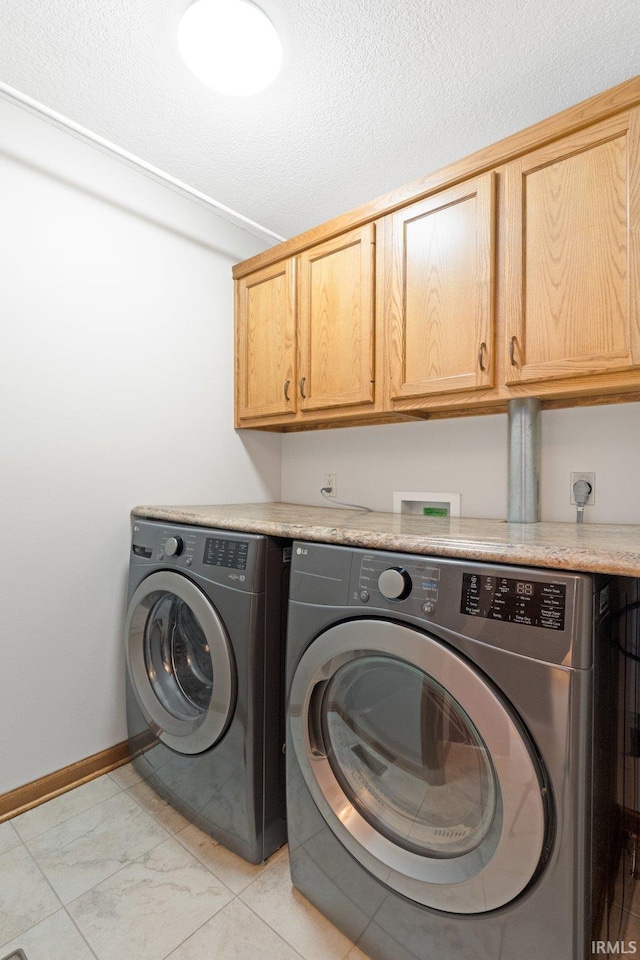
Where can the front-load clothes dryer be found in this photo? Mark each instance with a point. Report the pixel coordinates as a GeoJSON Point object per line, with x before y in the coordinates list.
{"type": "Point", "coordinates": [450, 754]}
{"type": "Point", "coordinates": [204, 641]}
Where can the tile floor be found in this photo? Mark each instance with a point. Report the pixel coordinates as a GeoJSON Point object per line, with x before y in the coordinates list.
{"type": "Point", "coordinates": [109, 871]}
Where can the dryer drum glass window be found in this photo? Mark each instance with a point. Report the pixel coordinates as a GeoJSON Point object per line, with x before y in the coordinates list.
{"type": "Point", "coordinates": [408, 757]}
{"type": "Point", "coordinates": [177, 658]}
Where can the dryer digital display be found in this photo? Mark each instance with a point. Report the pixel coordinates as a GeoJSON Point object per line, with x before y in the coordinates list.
{"type": "Point", "coordinates": [527, 602]}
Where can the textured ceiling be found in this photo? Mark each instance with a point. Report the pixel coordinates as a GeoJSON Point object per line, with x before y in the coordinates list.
{"type": "Point", "coordinates": [373, 93]}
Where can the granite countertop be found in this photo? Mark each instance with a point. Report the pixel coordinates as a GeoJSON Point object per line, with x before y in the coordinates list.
{"type": "Point", "coordinates": [597, 548]}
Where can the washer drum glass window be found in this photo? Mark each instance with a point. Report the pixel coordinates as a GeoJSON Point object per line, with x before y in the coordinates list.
{"type": "Point", "coordinates": [180, 662]}
{"type": "Point", "coordinates": [418, 767]}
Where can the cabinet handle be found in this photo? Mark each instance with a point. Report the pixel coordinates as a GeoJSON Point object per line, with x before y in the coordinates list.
{"type": "Point", "coordinates": [302, 393]}
{"type": "Point", "coordinates": [286, 390]}
{"type": "Point", "coordinates": [481, 352]}
{"type": "Point", "coordinates": [512, 351]}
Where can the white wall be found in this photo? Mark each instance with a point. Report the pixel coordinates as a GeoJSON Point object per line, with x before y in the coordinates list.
{"type": "Point", "coordinates": [469, 456]}
{"type": "Point", "coordinates": [116, 388]}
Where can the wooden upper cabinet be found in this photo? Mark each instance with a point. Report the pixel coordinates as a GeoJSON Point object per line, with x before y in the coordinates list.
{"type": "Point", "coordinates": [439, 292]}
{"type": "Point", "coordinates": [572, 255]}
{"type": "Point", "coordinates": [265, 343]}
{"type": "Point", "coordinates": [336, 322]}
{"type": "Point", "coordinates": [514, 272]}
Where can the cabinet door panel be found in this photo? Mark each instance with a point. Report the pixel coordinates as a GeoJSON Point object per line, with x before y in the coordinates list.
{"type": "Point", "coordinates": [336, 322]}
{"type": "Point", "coordinates": [571, 241]}
{"type": "Point", "coordinates": [266, 342]}
{"type": "Point", "coordinates": [439, 305]}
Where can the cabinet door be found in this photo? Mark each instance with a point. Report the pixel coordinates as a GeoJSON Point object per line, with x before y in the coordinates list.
{"type": "Point", "coordinates": [439, 295]}
{"type": "Point", "coordinates": [573, 215]}
{"type": "Point", "coordinates": [336, 322]}
{"type": "Point", "coordinates": [265, 342]}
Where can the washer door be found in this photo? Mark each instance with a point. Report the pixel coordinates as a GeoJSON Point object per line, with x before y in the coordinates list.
{"type": "Point", "coordinates": [180, 662]}
{"type": "Point", "coordinates": [418, 767]}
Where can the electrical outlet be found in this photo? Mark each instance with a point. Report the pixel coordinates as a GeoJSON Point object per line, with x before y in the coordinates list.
{"type": "Point", "coordinates": [330, 481]}
{"type": "Point", "coordinates": [590, 478]}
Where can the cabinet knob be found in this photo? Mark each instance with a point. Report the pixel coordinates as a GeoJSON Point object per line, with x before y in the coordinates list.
{"type": "Point", "coordinates": [481, 353]}
{"type": "Point", "coordinates": [302, 393]}
{"type": "Point", "coordinates": [286, 390]}
{"type": "Point", "coordinates": [512, 351]}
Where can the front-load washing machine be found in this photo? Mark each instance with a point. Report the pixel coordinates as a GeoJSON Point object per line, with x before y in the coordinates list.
{"type": "Point", "coordinates": [204, 641]}
{"type": "Point", "coordinates": [451, 753]}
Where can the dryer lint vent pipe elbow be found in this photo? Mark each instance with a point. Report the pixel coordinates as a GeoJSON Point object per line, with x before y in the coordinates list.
{"type": "Point", "coordinates": [524, 460]}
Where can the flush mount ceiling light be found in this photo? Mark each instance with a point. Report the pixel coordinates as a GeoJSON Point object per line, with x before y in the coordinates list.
{"type": "Point", "coordinates": [230, 45]}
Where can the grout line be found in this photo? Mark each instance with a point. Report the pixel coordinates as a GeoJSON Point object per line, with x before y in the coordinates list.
{"type": "Point", "coordinates": [90, 948]}
{"type": "Point", "coordinates": [48, 882]}
{"type": "Point", "coordinates": [277, 932]}
{"type": "Point", "coordinates": [67, 819]}
{"type": "Point", "coordinates": [282, 936]}
{"type": "Point", "coordinates": [51, 886]}
{"type": "Point", "coordinates": [153, 815]}
{"type": "Point", "coordinates": [123, 866]}
{"type": "Point", "coordinates": [168, 956]}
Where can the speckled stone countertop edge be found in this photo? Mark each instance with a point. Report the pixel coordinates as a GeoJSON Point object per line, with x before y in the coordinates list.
{"type": "Point", "coordinates": [595, 548]}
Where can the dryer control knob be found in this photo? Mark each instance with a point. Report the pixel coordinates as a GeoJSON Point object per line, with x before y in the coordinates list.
{"type": "Point", "coordinates": [173, 547]}
{"type": "Point", "coordinates": [395, 583]}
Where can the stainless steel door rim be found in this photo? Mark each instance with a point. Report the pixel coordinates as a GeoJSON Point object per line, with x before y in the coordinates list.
{"type": "Point", "coordinates": [502, 864]}
{"type": "Point", "coordinates": [185, 733]}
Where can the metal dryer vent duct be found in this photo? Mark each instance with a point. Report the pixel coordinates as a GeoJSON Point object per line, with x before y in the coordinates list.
{"type": "Point", "coordinates": [524, 460]}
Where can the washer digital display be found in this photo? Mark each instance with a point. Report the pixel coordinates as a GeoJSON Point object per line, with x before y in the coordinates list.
{"type": "Point", "coordinates": [219, 552]}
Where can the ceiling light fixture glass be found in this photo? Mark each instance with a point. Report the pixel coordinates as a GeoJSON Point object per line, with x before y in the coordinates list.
{"type": "Point", "coordinates": [230, 45]}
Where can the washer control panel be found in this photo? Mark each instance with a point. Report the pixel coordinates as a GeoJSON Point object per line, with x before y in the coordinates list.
{"type": "Point", "coordinates": [173, 546]}
{"type": "Point", "coordinates": [220, 556]}
{"type": "Point", "coordinates": [222, 552]}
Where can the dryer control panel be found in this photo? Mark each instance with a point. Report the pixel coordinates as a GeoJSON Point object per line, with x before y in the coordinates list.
{"type": "Point", "coordinates": [543, 614]}
{"type": "Point", "coordinates": [414, 582]}
{"type": "Point", "coordinates": [527, 602]}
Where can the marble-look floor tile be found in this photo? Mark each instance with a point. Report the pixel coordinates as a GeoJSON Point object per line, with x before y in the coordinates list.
{"type": "Point", "coordinates": [25, 896]}
{"type": "Point", "coordinates": [56, 938]}
{"type": "Point", "coordinates": [63, 808]}
{"type": "Point", "coordinates": [125, 776]}
{"type": "Point", "coordinates": [171, 819]}
{"type": "Point", "coordinates": [148, 908]}
{"type": "Point", "coordinates": [613, 925]}
{"type": "Point", "coordinates": [83, 851]}
{"type": "Point", "coordinates": [634, 906]}
{"type": "Point", "coordinates": [235, 933]}
{"type": "Point", "coordinates": [8, 837]}
{"type": "Point", "coordinates": [356, 954]}
{"type": "Point", "coordinates": [234, 872]}
{"type": "Point", "coordinates": [632, 929]}
{"type": "Point", "coordinates": [291, 915]}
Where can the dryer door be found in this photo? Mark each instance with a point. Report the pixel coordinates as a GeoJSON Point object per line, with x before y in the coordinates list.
{"type": "Point", "coordinates": [180, 662]}
{"type": "Point", "coordinates": [418, 766]}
